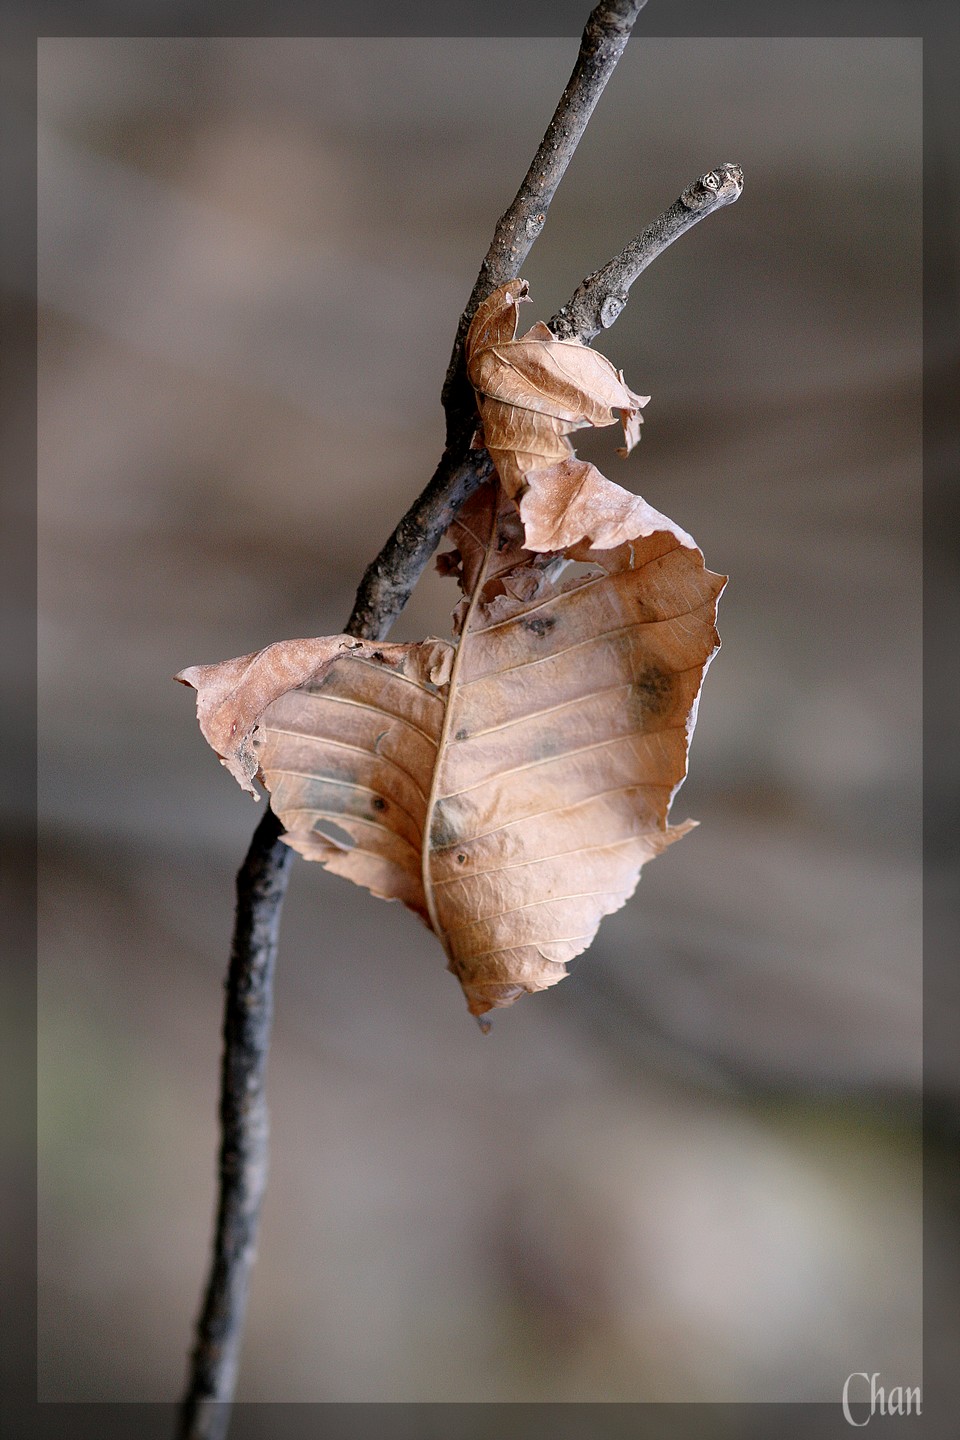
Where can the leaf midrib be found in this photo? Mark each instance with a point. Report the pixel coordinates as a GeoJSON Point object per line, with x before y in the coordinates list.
{"type": "Point", "coordinates": [425, 875]}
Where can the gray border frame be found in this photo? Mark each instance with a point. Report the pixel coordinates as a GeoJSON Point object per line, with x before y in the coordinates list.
{"type": "Point", "coordinates": [938, 23]}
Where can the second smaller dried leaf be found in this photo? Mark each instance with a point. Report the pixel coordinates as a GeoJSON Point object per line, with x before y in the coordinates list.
{"type": "Point", "coordinates": [532, 392]}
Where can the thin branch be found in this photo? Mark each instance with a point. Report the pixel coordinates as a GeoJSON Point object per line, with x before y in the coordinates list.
{"type": "Point", "coordinates": [261, 885]}
{"type": "Point", "coordinates": [605, 37]}
{"type": "Point", "coordinates": [389, 579]}
{"type": "Point", "coordinates": [598, 300]}
{"type": "Point", "coordinates": [383, 592]}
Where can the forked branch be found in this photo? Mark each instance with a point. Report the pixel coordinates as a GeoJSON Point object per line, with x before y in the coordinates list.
{"type": "Point", "coordinates": [594, 306]}
{"type": "Point", "coordinates": [383, 592]}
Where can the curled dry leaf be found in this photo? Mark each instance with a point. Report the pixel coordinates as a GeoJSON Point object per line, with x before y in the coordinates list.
{"type": "Point", "coordinates": [507, 785]}
{"type": "Point", "coordinates": [232, 695]}
{"type": "Point", "coordinates": [532, 391]}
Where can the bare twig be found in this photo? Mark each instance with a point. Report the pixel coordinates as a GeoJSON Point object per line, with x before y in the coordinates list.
{"type": "Point", "coordinates": [605, 37]}
{"type": "Point", "coordinates": [389, 579]}
{"type": "Point", "coordinates": [383, 592]}
{"type": "Point", "coordinates": [598, 300]}
{"type": "Point", "coordinates": [261, 885]}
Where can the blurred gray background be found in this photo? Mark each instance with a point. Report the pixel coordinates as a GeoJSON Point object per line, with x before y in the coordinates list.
{"type": "Point", "coordinates": [692, 1170]}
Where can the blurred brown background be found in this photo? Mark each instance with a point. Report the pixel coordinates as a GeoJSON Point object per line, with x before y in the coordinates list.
{"type": "Point", "coordinates": [692, 1171]}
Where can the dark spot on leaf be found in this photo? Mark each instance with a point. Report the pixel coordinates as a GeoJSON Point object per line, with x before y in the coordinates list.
{"type": "Point", "coordinates": [461, 859]}
{"type": "Point", "coordinates": [379, 803]}
{"type": "Point", "coordinates": [546, 746]}
{"type": "Point", "coordinates": [651, 691]}
{"type": "Point", "coordinates": [540, 624]}
{"type": "Point", "coordinates": [461, 735]}
{"type": "Point", "coordinates": [442, 832]}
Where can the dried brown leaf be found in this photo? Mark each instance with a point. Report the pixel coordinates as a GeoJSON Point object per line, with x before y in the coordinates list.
{"type": "Point", "coordinates": [532, 392]}
{"type": "Point", "coordinates": [507, 787]}
{"type": "Point", "coordinates": [232, 695]}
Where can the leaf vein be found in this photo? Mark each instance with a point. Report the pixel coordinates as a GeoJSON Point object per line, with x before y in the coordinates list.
{"type": "Point", "coordinates": [553, 810]}
{"type": "Point", "coordinates": [563, 755]}
{"type": "Point", "coordinates": [532, 905]}
{"type": "Point", "coordinates": [356, 749]}
{"type": "Point", "coordinates": [588, 640]}
{"type": "Point", "coordinates": [338, 815]}
{"type": "Point", "coordinates": [538, 859]}
{"type": "Point", "coordinates": [347, 784]}
{"type": "Point", "coordinates": [578, 700]}
{"type": "Point", "coordinates": [374, 709]}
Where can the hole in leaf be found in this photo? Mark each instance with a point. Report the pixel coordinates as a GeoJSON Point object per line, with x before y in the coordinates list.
{"type": "Point", "coordinates": [335, 833]}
